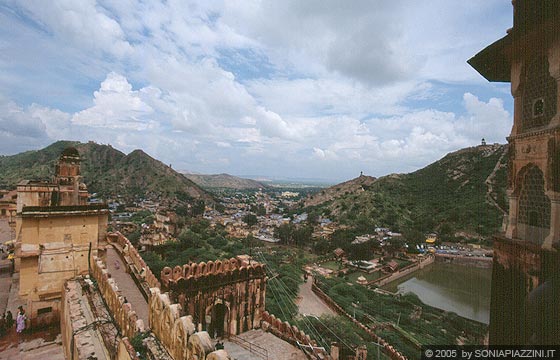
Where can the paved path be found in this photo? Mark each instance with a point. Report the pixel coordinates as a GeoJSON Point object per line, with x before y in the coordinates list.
{"type": "Point", "coordinates": [45, 344]}
{"type": "Point", "coordinates": [127, 285]}
{"type": "Point", "coordinates": [277, 348]}
{"type": "Point", "coordinates": [311, 304]}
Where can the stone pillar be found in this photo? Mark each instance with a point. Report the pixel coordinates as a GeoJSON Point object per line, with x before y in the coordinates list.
{"type": "Point", "coordinates": [335, 351]}
{"type": "Point", "coordinates": [511, 231]}
{"type": "Point", "coordinates": [554, 71]}
{"type": "Point", "coordinates": [554, 235]}
{"type": "Point", "coordinates": [361, 352]}
{"type": "Point", "coordinates": [517, 93]}
{"type": "Point", "coordinates": [233, 313]}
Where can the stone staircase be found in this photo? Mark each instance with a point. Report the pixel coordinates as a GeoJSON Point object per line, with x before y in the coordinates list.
{"type": "Point", "coordinates": [277, 349]}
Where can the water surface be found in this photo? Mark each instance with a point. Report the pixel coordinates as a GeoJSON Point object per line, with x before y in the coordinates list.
{"type": "Point", "coordinates": [462, 289]}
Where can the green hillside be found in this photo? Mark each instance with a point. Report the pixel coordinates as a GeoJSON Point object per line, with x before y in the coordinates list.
{"type": "Point", "coordinates": [462, 192]}
{"type": "Point", "coordinates": [106, 171]}
{"type": "Point", "coordinates": [224, 181]}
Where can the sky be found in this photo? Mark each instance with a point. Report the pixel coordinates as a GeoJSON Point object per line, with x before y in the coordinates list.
{"type": "Point", "coordinates": [316, 89]}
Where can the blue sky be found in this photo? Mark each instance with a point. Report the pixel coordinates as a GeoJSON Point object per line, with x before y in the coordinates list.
{"type": "Point", "coordinates": [309, 89]}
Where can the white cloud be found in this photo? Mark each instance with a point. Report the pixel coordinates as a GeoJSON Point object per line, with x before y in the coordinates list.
{"type": "Point", "coordinates": [117, 106]}
{"type": "Point", "coordinates": [16, 121]}
{"type": "Point", "coordinates": [253, 87]}
{"type": "Point", "coordinates": [489, 120]}
{"type": "Point", "coordinates": [57, 123]}
{"type": "Point", "coordinates": [82, 24]}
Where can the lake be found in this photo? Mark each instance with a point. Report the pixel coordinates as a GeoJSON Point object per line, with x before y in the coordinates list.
{"type": "Point", "coordinates": [462, 289]}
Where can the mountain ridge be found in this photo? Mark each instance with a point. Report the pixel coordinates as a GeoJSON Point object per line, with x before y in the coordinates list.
{"type": "Point", "coordinates": [464, 191]}
{"type": "Point", "coordinates": [223, 180]}
{"type": "Point", "coordinates": [105, 170]}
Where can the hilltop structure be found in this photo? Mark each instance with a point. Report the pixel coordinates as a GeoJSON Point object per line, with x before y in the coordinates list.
{"type": "Point", "coordinates": [526, 273]}
{"type": "Point", "coordinates": [57, 233]}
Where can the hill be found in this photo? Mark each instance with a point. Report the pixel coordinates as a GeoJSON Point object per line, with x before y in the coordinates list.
{"type": "Point", "coordinates": [463, 192]}
{"type": "Point", "coordinates": [353, 186]}
{"type": "Point", "coordinates": [106, 171]}
{"type": "Point", "coordinates": [224, 181]}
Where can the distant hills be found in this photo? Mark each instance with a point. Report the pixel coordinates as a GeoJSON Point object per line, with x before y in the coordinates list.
{"type": "Point", "coordinates": [224, 181]}
{"type": "Point", "coordinates": [464, 192]}
{"type": "Point", "coordinates": [106, 171]}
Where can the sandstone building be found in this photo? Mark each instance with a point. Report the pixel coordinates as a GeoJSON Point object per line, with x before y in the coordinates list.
{"type": "Point", "coordinates": [526, 274]}
{"type": "Point", "coordinates": [57, 233]}
{"type": "Point", "coordinates": [8, 206]}
{"type": "Point", "coordinates": [225, 297]}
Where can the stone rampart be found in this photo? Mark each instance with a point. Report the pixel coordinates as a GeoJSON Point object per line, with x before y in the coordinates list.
{"type": "Point", "coordinates": [196, 271]}
{"type": "Point", "coordinates": [127, 249]}
{"type": "Point", "coordinates": [226, 297]}
{"type": "Point", "coordinates": [123, 314]}
{"type": "Point", "coordinates": [476, 261]}
{"type": "Point", "coordinates": [125, 350]}
{"type": "Point", "coordinates": [178, 334]}
{"type": "Point", "coordinates": [403, 272]}
{"type": "Point", "coordinates": [389, 349]}
{"type": "Point", "coordinates": [291, 334]}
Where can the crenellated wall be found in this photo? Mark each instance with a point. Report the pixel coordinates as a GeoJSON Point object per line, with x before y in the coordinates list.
{"type": "Point", "coordinates": [124, 315]}
{"type": "Point", "coordinates": [137, 260]}
{"type": "Point", "coordinates": [125, 350]}
{"type": "Point", "coordinates": [389, 349]}
{"type": "Point", "coordinates": [178, 333]}
{"type": "Point", "coordinates": [290, 333]}
{"type": "Point", "coordinates": [226, 297]}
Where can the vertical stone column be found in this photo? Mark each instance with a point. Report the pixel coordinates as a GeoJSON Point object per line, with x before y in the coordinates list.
{"type": "Point", "coordinates": [258, 305]}
{"type": "Point", "coordinates": [233, 310]}
{"type": "Point", "coordinates": [554, 235]}
{"type": "Point", "coordinates": [517, 93]}
{"type": "Point", "coordinates": [335, 351]}
{"type": "Point", "coordinates": [511, 231]}
{"type": "Point", "coordinates": [554, 71]}
{"type": "Point", "coordinates": [361, 352]}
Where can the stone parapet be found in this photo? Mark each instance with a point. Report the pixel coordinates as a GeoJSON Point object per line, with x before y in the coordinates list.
{"type": "Point", "coordinates": [125, 317]}
{"type": "Point", "coordinates": [236, 267]}
{"type": "Point", "coordinates": [389, 349]}
{"type": "Point", "coordinates": [292, 335]}
{"type": "Point", "coordinates": [80, 340]}
{"type": "Point", "coordinates": [178, 334]}
{"type": "Point", "coordinates": [137, 260]}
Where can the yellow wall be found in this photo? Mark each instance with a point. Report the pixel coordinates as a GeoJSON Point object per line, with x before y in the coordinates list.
{"type": "Point", "coordinates": [62, 255]}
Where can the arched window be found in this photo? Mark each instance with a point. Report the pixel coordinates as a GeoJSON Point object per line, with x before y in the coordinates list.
{"type": "Point", "coordinates": [533, 219]}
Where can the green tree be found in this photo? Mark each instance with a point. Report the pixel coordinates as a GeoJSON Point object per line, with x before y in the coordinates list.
{"type": "Point", "coordinates": [363, 251]}
{"type": "Point", "coordinates": [284, 232]}
{"type": "Point", "coordinates": [250, 219]}
{"type": "Point", "coordinates": [134, 237]}
{"type": "Point", "coordinates": [302, 235]}
{"type": "Point", "coordinates": [198, 208]}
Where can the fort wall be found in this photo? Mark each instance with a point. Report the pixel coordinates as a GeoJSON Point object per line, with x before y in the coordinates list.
{"type": "Point", "coordinates": [178, 334]}
{"type": "Point", "coordinates": [123, 314]}
{"type": "Point", "coordinates": [389, 349]}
